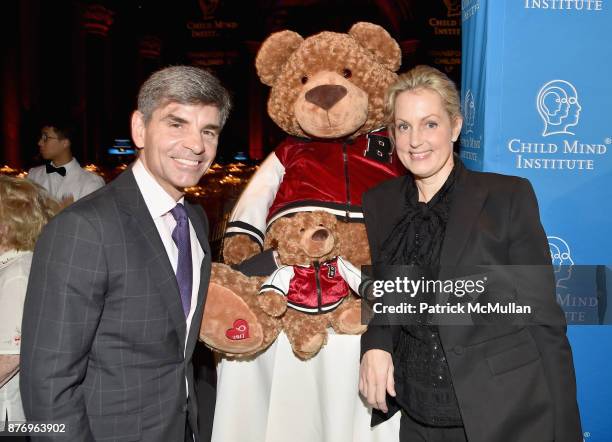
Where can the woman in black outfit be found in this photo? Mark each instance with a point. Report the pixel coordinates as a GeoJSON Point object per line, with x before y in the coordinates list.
{"type": "Point", "coordinates": [489, 383]}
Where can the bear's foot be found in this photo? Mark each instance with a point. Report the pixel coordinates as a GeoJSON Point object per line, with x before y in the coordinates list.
{"type": "Point", "coordinates": [229, 325]}
{"type": "Point", "coordinates": [348, 321]}
{"type": "Point", "coordinates": [306, 348]}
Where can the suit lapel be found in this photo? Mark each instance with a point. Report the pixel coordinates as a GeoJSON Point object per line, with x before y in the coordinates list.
{"type": "Point", "coordinates": [467, 203]}
{"type": "Point", "coordinates": [198, 226]}
{"type": "Point", "coordinates": [130, 200]}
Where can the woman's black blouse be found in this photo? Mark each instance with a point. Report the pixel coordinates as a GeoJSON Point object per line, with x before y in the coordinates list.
{"type": "Point", "coordinates": [423, 382]}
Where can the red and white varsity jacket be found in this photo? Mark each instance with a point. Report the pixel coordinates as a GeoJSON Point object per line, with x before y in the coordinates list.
{"type": "Point", "coordinates": [318, 288]}
{"type": "Point", "coordinates": [306, 175]}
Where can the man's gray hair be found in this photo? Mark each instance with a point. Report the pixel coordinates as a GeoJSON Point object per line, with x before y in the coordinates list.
{"type": "Point", "coordinates": [184, 85]}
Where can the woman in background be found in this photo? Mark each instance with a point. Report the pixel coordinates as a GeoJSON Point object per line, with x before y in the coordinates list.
{"type": "Point", "coordinates": [25, 208]}
{"type": "Point", "coordinates": [491, 383]}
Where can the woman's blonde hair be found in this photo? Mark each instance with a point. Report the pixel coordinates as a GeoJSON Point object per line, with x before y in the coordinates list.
{"type": "Point", "coordinates": [423, 77]}
{"type": "Point", "coordinates": [25, 208]}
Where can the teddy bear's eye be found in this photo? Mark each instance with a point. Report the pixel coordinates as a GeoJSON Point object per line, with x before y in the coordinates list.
{"type": "Point", "coordinates": [346, 73]}
{"type": "Point", "coordinates": [304, 79]}
{"type": "Point", "coordinates": [302, 230]}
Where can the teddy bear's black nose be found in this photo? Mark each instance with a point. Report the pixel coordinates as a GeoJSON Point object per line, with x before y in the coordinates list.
{"type": "Point", "coordinates": [320, 235]}
{"type": "Point", "coordinates": [326, 95]}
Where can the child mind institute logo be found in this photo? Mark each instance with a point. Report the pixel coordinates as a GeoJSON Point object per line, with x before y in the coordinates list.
{"type": "Point", "coordinates": [469, 110]}
{"type": "Point", "coordinates": [558, 106]}
{"type": "Point", "coordinates": [453, 7]}
{"type": "Point", "coordinates": [561, 257]}
{"type": "Point", "coordinates": [560, 252]}
{"type": "Point", "coordinates": [208, 8]}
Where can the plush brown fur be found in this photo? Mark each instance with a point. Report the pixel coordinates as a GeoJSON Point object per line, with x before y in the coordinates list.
{"type": "Point", "coordinates": [368, 51]}
{"type": "Point", "coordinates": [299, 241]}
{"type": "Point", "coordinates": [239, 248]}
{"type": "Point", "coordinates": [230, 299]}
{"type": "Point", "coordinates": [294, 66]}
{"type": "Point", "coordinates": [353, 70]}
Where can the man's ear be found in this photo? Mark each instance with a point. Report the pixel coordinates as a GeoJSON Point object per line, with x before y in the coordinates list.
{"type": "Point", "coordinates": [457, 128]}
{"type": "Point", "coordinates": [138, 129]}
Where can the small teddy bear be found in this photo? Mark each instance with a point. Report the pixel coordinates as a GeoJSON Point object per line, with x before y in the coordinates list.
{"type": "Point", "coordinates": [312, 289]}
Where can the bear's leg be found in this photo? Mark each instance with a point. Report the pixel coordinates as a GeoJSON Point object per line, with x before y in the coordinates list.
{"type": "Point", "coordinates": [233, 323]}
{"type": "Point", "coordinates": [228, 325]}
{"type": "Point", "coordinates": [306, 333]}
{"type": "Point", "coordinates": [346, 318]}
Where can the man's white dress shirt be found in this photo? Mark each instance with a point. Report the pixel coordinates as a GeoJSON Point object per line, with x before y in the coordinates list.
{"type": "Point", "coordinates": [159, 204]}
{"type": "Point", "coordinates": [77, 183]}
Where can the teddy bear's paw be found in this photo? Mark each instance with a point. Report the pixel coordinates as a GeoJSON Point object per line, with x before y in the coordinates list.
{"type": "Point", "coordinates": [239, 248]}
{"type": "Point", "coordinates": [272, 303]}
{"type": "Point", "coordinates": [228, 325]}
{"type": "Point", "coordinates": [349, 321]}
{"type": "Point", "coordinates": [306, 348]}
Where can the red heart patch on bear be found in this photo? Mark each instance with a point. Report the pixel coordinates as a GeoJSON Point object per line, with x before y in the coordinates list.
{"type": "Point", "coordinates": [239, 331]}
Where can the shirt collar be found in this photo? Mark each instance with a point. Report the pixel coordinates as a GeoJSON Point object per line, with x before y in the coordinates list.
{"type": "Point", "coordinates": [156, 198]}
{"type": "Point", "coordinates": [69, 166]}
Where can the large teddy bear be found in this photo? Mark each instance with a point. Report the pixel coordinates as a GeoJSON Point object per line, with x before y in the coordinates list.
{"type": "Point", "coordinates": [327, 93]}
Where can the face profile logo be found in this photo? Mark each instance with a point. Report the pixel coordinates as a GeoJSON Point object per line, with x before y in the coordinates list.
{"type": "Point", "coordinates": [469, 111]}
{"type": "Point", "coordinates": [208, 7]}
{"type": "Point", "coordinates": [453, 7]}
{"type": "Point", "coordinates": [558, 106]}
{"type": "Point", "coordinates": [561, 257]}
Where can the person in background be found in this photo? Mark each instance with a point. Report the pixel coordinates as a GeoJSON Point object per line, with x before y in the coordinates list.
{"type": "Point", "coordinates": [480, 383]}
{"type": "Point", "coordinates": [61, 175]}
{"type": "Point", "coordinates": [119, 282]}
{"type": "Point", "coordinates": [25, 208]}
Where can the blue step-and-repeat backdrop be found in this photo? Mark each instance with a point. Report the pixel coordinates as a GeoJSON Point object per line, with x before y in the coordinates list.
{"type": "Point", "coordinates": [537, 102]}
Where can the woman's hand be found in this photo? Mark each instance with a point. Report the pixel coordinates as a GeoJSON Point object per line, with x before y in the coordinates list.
{"type": "Point", "coordinates": [376, 378]}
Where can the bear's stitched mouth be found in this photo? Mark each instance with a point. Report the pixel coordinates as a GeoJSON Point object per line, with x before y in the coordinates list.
{"type": "Point", "coordinates": [329, 132]}
{"type": "Point", "coordinates": [331, 125]}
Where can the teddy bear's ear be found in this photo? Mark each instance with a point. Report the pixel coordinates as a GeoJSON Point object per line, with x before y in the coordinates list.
{"type": "Point", "coordinates": [274, 53]}
{"type": "Point", "coordinates": [276, 231]}
{"type": "Point", "coordinates": [378, 41]}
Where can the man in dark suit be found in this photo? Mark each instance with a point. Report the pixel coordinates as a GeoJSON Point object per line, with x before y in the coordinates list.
{"type": "Point", "coordinates": [119, 281]}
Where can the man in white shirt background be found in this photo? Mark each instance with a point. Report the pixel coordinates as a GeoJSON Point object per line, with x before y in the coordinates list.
{"type": "Point", "coordinates": [62, 175]}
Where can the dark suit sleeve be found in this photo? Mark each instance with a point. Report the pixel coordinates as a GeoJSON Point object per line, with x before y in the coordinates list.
{"type": "Point", "coordinates": [204, 366]}
{"type": "Point", "coordinates": [376, 336]}
{"type": "Point", "coordinates": [64, 301]}
{"type": "Point", "coordinates": [529, 246]}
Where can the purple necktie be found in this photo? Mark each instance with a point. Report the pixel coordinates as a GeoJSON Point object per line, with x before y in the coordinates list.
{"type": "Point", "coordinates": [184, 269]}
